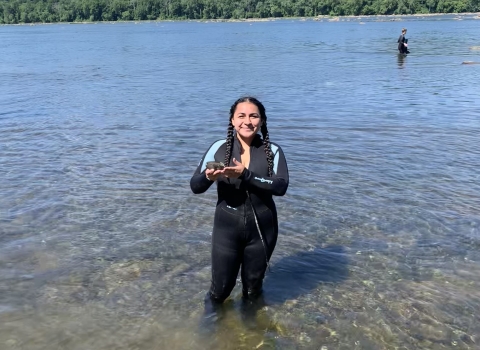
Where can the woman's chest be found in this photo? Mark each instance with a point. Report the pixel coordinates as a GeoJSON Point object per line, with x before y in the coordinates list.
{"type": "Point", "coordinates": [255, 160]}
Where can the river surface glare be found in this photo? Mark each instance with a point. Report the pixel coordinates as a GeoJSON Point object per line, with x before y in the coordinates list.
{"type": "Point", "coordinates": [103, 246]}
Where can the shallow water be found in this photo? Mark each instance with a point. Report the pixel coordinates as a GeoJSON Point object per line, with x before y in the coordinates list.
{"type": "Point", "coordinates": [103, 245]}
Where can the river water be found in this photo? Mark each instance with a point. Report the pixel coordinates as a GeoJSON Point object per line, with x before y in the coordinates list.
{"type": "Point", "coordinates": [103, 245]}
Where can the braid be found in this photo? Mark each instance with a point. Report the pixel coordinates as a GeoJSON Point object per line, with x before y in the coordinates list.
{"type": "Point", "coordinates": [268, 150]}
{"type": "Point", "coordinates": [229, 144]}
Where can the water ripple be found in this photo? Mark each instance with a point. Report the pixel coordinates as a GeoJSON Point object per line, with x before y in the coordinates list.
{"type": "Point", "coordinates": [102, 126]}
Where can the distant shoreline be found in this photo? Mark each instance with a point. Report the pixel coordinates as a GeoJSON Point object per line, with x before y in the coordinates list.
{"type": "Point", "coordinates": [270, 19]}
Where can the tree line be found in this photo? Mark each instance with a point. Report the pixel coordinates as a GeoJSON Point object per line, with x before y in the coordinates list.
{"type": "Point", "coordinates": [49, 11]}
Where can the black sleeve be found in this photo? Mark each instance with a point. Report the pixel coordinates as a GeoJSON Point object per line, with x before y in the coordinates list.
{"type": "Point", "coordinates": [199, 182]}
{"type": "Point", "coordinates": [277, 184]}
{"type": "Point", "coordinates": [401, 39]}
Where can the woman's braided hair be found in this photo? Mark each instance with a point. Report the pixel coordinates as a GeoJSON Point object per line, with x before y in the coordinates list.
{"type": "Point", "coordinates": [264, 131]}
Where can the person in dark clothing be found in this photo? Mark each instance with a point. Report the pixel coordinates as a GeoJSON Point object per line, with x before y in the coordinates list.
{"type": "Point", "coordinates": [245, 226]}
{"type": "Point", "coordinates": [402, 42]}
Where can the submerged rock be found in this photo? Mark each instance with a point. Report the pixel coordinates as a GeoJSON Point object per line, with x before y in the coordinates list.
{"type": "Point", "coordinates": [321, 319]}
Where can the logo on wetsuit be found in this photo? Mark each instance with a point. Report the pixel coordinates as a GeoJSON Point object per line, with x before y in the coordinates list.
{"type": "Point", "coordinates": [261, 179]}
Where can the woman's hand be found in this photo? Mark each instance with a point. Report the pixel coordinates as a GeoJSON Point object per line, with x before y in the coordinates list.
{"type": "Point", "coordinates": [233, 172]}
{"type": "Point", "coordinates": [212, 174]}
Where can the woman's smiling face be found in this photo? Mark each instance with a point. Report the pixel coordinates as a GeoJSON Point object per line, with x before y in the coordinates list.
{"type": "Point", "coordinates": [246, 120]}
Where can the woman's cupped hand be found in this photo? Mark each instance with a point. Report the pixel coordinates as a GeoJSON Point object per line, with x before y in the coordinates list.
{"type": "Point", "coordinates": [231, 172]}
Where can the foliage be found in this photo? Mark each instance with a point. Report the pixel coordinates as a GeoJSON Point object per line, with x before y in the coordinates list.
{"type": "Point", "coordinates": [32, 11]}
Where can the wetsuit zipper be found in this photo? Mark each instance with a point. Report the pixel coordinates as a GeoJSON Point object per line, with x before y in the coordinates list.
{"type": "Point", "coordinates": [245, 204]}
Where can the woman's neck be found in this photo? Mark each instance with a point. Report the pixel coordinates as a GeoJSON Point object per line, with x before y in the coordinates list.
{"type": "Point", "coordinates": [245, 142]}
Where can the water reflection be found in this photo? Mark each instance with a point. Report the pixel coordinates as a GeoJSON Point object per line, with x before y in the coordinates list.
{"type": "Point", "coordinates": [401, 60]}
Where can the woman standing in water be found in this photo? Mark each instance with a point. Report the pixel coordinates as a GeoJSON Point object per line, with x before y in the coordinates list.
{"type": "Point", "coordinates": [402, 42]}
{"type": "Point", "coordinates": [245, 226]}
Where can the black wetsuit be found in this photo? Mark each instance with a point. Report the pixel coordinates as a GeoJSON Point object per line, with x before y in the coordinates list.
{"type": "Point", "coordinates": [401, 47]}
{"type": "Point", "coordinates": [235, 238]}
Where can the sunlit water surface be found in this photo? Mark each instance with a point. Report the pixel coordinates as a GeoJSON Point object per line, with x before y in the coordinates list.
{"type": "Point", "coordinates": [103, 246]}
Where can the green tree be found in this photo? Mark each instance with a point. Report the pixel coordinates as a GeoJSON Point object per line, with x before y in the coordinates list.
{"type": "Point", "coordinates": [27, 11]}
